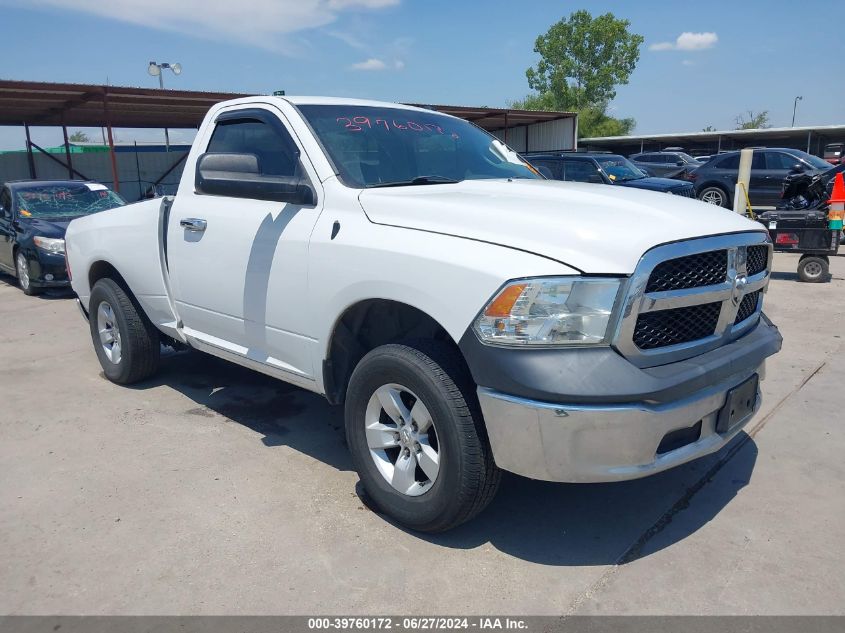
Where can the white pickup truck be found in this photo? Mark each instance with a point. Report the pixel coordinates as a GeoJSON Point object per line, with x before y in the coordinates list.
{"type": "Point", "coordinates": [469, 314]}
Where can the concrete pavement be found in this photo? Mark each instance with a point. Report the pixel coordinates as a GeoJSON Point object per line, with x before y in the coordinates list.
{"type": "Point", "coordinates": [214, 490]}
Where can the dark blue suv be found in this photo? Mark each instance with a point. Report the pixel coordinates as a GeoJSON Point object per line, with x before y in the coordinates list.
{"type": "Point", "coordinates": [604, 169]}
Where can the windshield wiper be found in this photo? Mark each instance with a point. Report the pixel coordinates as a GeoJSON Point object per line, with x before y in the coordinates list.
{"type": "Point", "coordinates": [419, 180]}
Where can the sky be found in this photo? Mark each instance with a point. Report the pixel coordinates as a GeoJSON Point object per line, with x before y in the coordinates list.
{"type": "Point", "coordinates": [703, 62]}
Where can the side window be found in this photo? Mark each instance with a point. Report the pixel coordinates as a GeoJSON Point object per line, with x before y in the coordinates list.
{"type": "Point", "coordinates": [728, 162]}
{"type": "Point", "coordinates": [6, 200]}
{"type": "Point", "coordinates": [581, 171]}
{"type": "Point", "coordinates": [779, 160]}
{"type": "Point", "coordinates": [551, 165]}
{"type": "Point", "coordinates": [646, 158]}
{"type": "Point", "coordinates": [664, 158]}
{"type": "Point", "coordinates": [758, 161]}
{"type": "Point", "coordinates": [272, 145]}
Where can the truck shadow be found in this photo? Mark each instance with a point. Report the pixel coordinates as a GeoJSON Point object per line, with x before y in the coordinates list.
{"type": "Point", "coordinates": [541, 522]}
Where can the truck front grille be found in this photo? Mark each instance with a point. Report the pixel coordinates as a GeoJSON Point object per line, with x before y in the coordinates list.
{"type": "Point", "coordinates": [747, 307]}
{"type": "Point", "coordinates": [758, 259]}
{"type": "Point", "coordinates": [692, 271]}
{"type": "Point", "coordinates": [688, 297]}
{"type": "Point", "coordinates": [673, 327]}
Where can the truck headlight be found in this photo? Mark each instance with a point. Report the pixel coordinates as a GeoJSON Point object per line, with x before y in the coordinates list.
{"type": "Point", "coordinates": [550, 311]}
{"type": "Point", "coordinates": [50, 244]}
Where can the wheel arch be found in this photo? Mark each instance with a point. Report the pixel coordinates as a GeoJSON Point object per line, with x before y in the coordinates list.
{"type": "Point", "coordinates": [102, 269]}
{"type": "Point", "coordinates": [367, 324]}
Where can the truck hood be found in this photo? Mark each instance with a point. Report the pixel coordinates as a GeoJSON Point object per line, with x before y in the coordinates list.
{"type": "Point", "coordinates": [592, 228]}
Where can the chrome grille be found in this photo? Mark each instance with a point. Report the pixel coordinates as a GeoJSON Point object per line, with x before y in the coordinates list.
{"type": "Point", "coordinates": [758, 259]}
{"type": "Point", "coordinates": [686, 192]}
{"type": "Point", "coordinates": [692, 271]}
{"type": "Point", "coordinates": [686, 298]}
{"type": "Point", "coordinates": [672, 327]}
{"type": "Point", "coordinates": [747, 307]}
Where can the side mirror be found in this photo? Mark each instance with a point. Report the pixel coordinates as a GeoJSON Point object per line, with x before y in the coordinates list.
{"type": "Point", "coordinates": [680, 163]}
{"type": "Point", "coordinates": [546, 173]}
{"type": "Point", "coordinates": [239, 176]}
{"type": "Point", "coordinates": [797, 168]}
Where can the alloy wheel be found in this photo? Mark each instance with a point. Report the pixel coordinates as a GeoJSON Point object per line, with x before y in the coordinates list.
{"type": "Point", "coordinates": [109, 332]}
{"type": "Point", "coordinates": [713, 196]}
{"type": "Point", "coordinates": [402, 439]}
{"type": "Point", "coordinates": [23, 271]}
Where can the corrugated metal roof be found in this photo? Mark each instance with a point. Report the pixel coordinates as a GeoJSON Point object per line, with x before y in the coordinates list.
{"type": "Point", "coordinates": [82, 105]}
{"type": "Point", "coordinates": [772, 132]}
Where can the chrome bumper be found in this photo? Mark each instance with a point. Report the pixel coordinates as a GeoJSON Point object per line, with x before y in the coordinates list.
{"type": "Point", "coordinates": [593, 443]}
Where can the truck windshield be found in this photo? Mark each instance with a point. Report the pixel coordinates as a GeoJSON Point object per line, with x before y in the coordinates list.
{"type": "Point", "coordinates": [65, 201]}
{"type": "Point", "coordinates": [374, 146]}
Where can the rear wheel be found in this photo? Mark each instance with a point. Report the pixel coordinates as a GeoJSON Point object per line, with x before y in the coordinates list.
{"type": "Point", "coordinates": [813, 269]}
{"type": "Point", "coordinates": [714, 195]}
{"type": "Point", "coordinates": [127, 343]}
{"type": "Point", "coordinates": [24, 279]}
{"type": "Point", "coordinates": [417, 437]}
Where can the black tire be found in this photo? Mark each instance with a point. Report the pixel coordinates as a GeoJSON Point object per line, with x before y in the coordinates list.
{"type": "Point", "coordinates": [24, 280]}
{"type": "Point", "coordinates": [712, 193]}
{"type": "Point", "coordinates": [468, 478]}
{"type": "Point", "coordinates": [140, 347]}
{"type": "Point", "coordinates": [813, 269]}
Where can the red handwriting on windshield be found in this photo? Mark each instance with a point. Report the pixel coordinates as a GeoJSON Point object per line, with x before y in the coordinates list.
{"type": "Point", "coordinates": [362, 123]}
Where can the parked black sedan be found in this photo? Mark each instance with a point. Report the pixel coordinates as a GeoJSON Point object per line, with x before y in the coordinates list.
{"type": "Point", "coordinates": [607, 169]}
{"type": "Point", "coordinates": [34, 216]}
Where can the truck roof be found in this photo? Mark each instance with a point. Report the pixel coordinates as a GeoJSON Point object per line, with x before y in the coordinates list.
{"type": "Point", "coordinates": [298, 100]}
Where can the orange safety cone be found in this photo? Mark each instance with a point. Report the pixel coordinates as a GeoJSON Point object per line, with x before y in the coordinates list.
{"type": "Point", "coordinates": [836, 212]}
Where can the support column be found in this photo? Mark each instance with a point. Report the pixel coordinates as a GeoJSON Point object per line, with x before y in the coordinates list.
{"type": "Point", "coordinates": [67, 154]}
{"type": "Point", "coordinates": [112, 156]}
{"type": "Point", "coordinates": [29, 156]}
{"type": "Point", "coordinates": [506, 127]}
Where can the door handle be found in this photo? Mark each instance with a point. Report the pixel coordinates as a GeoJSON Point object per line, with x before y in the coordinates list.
{"type": "Point", "coordinates": [193, 224]}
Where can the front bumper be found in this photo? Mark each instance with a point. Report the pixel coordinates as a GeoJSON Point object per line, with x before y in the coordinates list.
{"type": "Point", "coordinates": [48, 271]}
{"type": "Point", "coordinates": [614, 431]}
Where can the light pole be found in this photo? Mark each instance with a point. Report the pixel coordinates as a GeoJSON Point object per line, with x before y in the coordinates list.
{"type": "Point", "coordinates": [794, 108]}
{"type": "Point", "coordinates": [155, 70]}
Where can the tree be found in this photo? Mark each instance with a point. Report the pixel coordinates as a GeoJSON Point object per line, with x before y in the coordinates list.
{"type": "Point", "coordinates": [79, 137]}
{"type": "Point", "coordinates": [754, 121]}
{"type": "Point", "coordinates": [709, 128]}
{"type": "Point", "coordinates": [583, 59]}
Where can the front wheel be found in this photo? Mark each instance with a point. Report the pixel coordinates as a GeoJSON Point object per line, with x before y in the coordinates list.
{"type": "Point", "coordinates": [715, 196]}
{"type": "Point", "coordinates": [127, 343]}
{"type": "Point", "coordinates": [24, 278]}
{"type": "Point", "coordinates": [417, 437]}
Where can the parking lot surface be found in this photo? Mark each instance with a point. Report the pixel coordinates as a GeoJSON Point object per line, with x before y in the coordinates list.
{"type": "Point", "coordinates": [215, 490]}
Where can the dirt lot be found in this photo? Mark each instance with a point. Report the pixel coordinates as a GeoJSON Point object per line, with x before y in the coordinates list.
{"type": "Point", "coordinates": [214, 490]}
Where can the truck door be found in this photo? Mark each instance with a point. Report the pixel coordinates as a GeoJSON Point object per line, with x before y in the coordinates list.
{"type": "Point", "coordinates": [238, 266]}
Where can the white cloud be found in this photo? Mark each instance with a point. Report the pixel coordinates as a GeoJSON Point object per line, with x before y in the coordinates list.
{"type": "Point", "coordinates": [370, 64]}
{"type": "Point", "coordinates": [688, 62]}
{"type": "Point", "coordinates": [263, 23]}
{"type": "Point", "coordinates": [696, 41]}
{"type": "Point", "coordinates": [377, 64]}
{"type": "Point", "coordinates": [688, 41]}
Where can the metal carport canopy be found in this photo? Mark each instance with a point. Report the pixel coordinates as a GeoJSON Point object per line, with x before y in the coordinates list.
{"type": "Point", "coordinates": [40, 103]}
